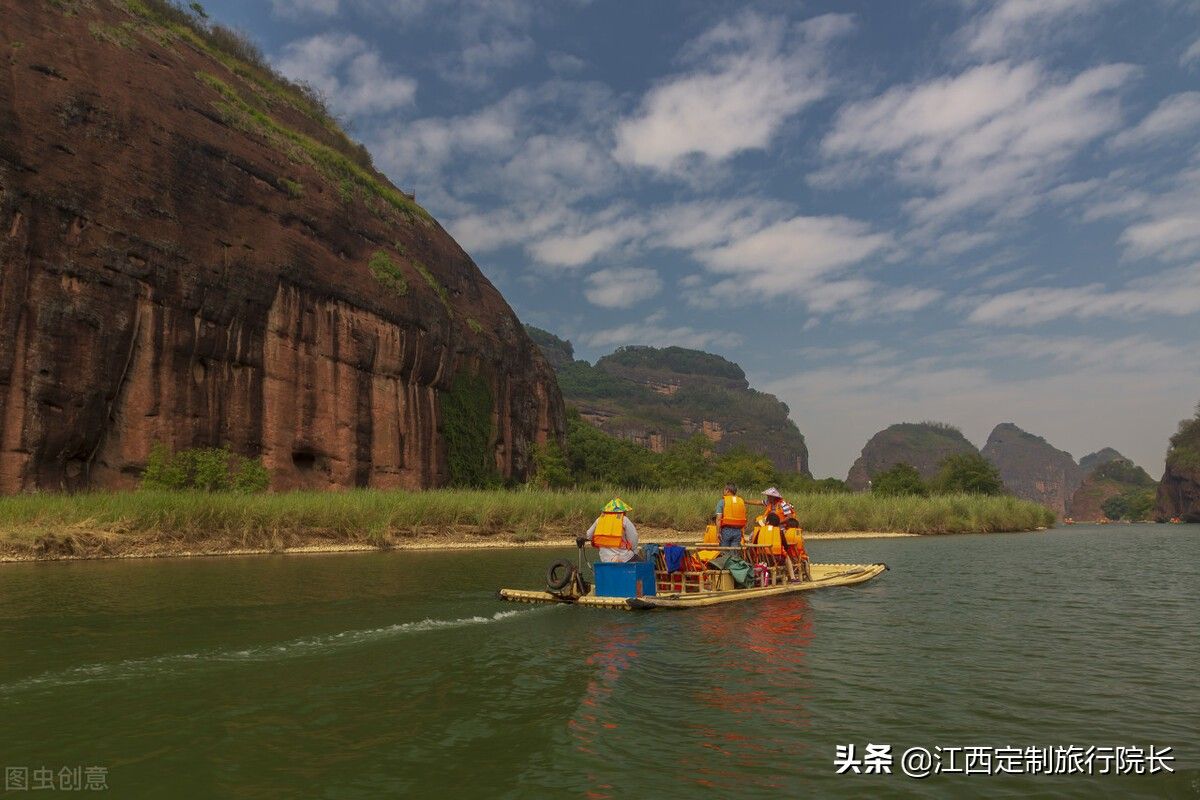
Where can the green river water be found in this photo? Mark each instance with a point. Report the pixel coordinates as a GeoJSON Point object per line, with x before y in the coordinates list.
{"type": "Point", "coordinates": [400, 674]}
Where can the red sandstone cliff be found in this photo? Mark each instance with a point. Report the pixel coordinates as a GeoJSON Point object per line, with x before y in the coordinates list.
{"type": "Point", "coordinates": [1032, 468]}
{"type": "Point", "coordinates": [186, 257]}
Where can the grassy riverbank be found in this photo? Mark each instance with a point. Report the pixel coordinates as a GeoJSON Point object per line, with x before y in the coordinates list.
{"type": "Point", "coordinates": [100, 523]}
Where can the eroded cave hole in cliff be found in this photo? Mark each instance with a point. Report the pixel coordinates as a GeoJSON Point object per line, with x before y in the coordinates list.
{"type": "Point", "coordinates": [304, 460]}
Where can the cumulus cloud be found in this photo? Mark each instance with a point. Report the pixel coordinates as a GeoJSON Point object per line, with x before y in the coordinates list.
{"type": "Point", "coordinates": [1165, 224]}
{"type": "Point", "coordinates": [1190, 56]}
{"type": "Point", "coordinates": [1010, 24]}
{"type": "Point", "coordinates": [349, 72]}
{"type": "Point", "coordinates": [989, 138]}
{"type": "Point", "coordinates": [622, 287]}
{"type": "Point", "coordinates": [794, 253]}
{"type": "Point", "coordinates": [574, 249]}
{"type": "Point", "coordinates": [564, 63]}
{"type": "Point", "coordinates": [294, 9]}
{"type": "Point", "coordinates": [748, 76]}
{"type": "Point", "coordinates": [1169, 293]}
{"type": "Point", "coordinates": [483, 54]}
{"type": "Point", "coordinates": [1175, 116]}
{"type": "Point", "coordinates": [532, 153]}
{"type": "Point", "coordinates": [425, 146]}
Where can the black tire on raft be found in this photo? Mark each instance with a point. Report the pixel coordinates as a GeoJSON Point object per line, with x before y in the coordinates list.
{"type": "Point", "coordinates": [559, 575]}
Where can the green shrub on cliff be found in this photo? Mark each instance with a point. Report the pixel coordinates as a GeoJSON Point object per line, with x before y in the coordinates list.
{"type": "Point", "coordinates": [207, 469]}
{"type": "Point", "coordinates": [467, 429]}
{"type": "Point", "coordinates": [388, 272]}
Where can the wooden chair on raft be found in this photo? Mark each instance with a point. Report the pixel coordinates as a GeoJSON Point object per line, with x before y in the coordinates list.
{"type": "Point", "coordinates": [697, 576]}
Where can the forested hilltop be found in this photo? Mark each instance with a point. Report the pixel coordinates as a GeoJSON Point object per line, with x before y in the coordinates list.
{"type": "Point", "coordinates": [657, 397]}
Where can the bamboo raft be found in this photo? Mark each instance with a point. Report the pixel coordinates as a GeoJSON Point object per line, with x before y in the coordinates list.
{"type": "Point", "coordinates": [709, 587]}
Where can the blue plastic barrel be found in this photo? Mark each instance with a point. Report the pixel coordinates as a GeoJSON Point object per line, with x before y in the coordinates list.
{"type": "Point", "coordinates": [631, 579]}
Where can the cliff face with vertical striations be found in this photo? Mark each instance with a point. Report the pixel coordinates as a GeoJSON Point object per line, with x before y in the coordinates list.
{"type": "Point", "coordinates": [192, 254]}
{"type": "Point", "coordinates": [1032, 468]}
{"type": "Point", "coordinates": [923, 445]}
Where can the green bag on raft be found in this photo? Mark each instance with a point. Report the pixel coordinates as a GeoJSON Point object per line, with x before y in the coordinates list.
{"type": "Point", "coordinates": [741, 571]}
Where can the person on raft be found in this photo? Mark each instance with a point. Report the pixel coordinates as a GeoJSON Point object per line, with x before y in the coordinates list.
{"type": "Point", "coordinates": [777, 511]}
{"type": "Point", "coordinates": [614, 533]}
{"type": "Point", "coordinates": [731, 517]}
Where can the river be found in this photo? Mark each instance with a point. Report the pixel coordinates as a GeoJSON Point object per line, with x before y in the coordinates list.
{"type": "Point", "coordinates": [400, 674]}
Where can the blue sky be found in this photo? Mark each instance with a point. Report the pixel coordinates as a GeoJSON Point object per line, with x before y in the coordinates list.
{"type": "Point", "coordinates": [884, 211]}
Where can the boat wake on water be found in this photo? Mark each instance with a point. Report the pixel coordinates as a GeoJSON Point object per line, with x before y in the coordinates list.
{"type": "Point", "coordinates": [146, 667]}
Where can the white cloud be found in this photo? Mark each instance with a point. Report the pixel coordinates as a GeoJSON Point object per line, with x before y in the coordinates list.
{"type": "Point", "coordinates": [350, 74]}
{"type": "Point", "coordinates": [483, 232]}
{"type": "Point", "coordinates": [560, 167]}
{"type": "Point", "coordinates": [294, 9]}
{"type": "Point", "coordinates": [1171, 235]}
{"type": "Point", "coordinates": [1009, 24]}
{"type": "Point", "coordinates": [574, 249]}
{"type": "Point", "coordinates": [622, 287]}
{"type": "Point", "coordinates": [1191, 55]}
{"type": "Point", "coordinates": [750, 75]}
{"type": "Point", "coordinates": [1177, 115]}
{"type": "Point", "coordinates": [476, 63]}
{"type": "Point", "coordinates": [654, 330]}
{"type": "Point", "coordinates": [1167, 224]}
{"type": "Point", "coordinates": [564, 63]}
{"type": "Point", "coordinates": [990, 138]}
{"type": "Point", "coordinates": [794, 253]}
{"type": "Point", "coordinates": [1170, 293]}
{"type": "Point", "coordinates": [425, 146]}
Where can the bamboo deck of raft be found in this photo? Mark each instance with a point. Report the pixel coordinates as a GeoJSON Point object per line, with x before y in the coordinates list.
{"type": "Point", "coordinates": [823, 576]}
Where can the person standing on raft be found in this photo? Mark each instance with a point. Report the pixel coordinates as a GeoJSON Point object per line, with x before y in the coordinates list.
{"type": "Point", "coordinates": [614, 533]}
{"type": "Point", "coordinates": [731, 517]}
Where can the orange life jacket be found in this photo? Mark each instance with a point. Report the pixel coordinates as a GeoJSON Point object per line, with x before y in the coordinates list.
{"type": "Point", "coordinates": [780, 508]}
{"type": "Point", "coordinates": [610, 531]}
{"type": "Point", "coordinates": [733, 515]}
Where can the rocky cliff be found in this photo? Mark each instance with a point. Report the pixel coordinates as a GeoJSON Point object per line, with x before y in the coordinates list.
{"type": "Point", "coordinates": [1032, 468]}
{"type": "Point", "coordinates": [1098, 458]}
{"type": "Point", "coordinates": [657, 396]}
{"type": "Point", "coordinates": [192, 253]}
{"type": "Point", "coordinates": [1179, 489]}
{"type": "Point", "coordinates": [923, 445]}
{"type": "Point", "coordinates": [1113, 478]}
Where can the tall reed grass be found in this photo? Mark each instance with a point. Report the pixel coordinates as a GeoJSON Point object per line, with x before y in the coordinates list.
{"type": "Point", "coordinates": [375, 515]}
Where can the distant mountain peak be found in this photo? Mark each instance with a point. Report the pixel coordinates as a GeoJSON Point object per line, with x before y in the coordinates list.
{"type": "Point", "coordinates": [655, 396]}
{"type": "Point", "coordinates": [923, 445]}
{"type": "Point", "coordinates": [1032, 468]}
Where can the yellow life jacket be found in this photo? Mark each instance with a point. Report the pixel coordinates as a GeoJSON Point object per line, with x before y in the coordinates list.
{"type": "Point", "coordinates": [770, 536]}
{"type": "Point", "coordinates": [734, 513]}
{"type": "Point", "coordinates": [610, 531]}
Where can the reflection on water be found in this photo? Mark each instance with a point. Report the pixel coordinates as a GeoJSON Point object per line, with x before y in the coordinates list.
{"type": "Point", "coordinates": [766, 687]}
{"type": "Point", "coordinates": [399, 674]}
